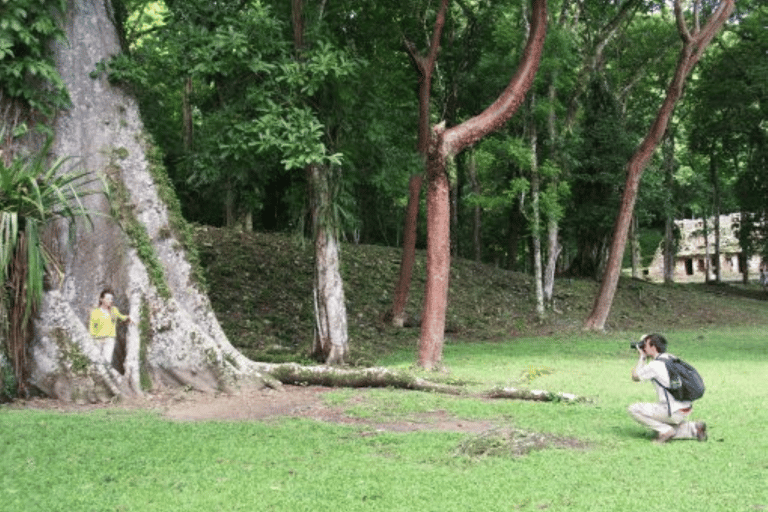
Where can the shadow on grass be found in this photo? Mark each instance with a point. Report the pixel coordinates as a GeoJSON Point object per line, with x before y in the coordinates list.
{"type": "Point", "coordinates": [632, 431]}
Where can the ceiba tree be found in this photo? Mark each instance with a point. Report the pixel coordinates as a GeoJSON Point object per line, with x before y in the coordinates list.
{"type": "Point", "coordinates": [445, 144]}
{"type": "Point", "coordinates": [138, 248]}
{"type": "Point", "coordinates": [695, 42]}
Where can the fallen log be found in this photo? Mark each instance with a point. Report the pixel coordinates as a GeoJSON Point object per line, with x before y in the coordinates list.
{"type": "Point", "coordinates": [296, 374]}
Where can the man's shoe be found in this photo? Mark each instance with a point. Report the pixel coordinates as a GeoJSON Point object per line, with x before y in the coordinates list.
{"type": "Point", "coordinates": [663, 438]}
{"type": "Point", "coordinates": [701, 431]}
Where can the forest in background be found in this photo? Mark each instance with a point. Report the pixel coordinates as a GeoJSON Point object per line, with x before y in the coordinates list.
{"type": "Point", "coordinates": [239, 111]}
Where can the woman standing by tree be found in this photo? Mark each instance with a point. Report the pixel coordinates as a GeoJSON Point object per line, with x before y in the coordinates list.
{"type": "Point", "coordinates": [103, 324]}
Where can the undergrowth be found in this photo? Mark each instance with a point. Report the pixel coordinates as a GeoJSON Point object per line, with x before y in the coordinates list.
{"type": "Point", "coordinates": [260, 287]}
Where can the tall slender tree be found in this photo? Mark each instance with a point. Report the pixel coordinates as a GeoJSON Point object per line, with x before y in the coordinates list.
{"type": "Point", "coordinates": [444, 146]}
{"type": "Point", "coordinates": [695, 42]}
{"type": "Point", "coordinates": [425, 66]}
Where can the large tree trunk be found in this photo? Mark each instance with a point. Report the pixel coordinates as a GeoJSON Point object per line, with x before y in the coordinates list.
{"type": "Point", "coordinates": [438, 266]}
{"type": "Point", "coordinates": [444, 146]}
{"type": "Point", "coordinates": [669, 251]}
{"type": "Point", "coordinates": [694, 45]}
{"type": "Point", "coordinates": [176, 339]}
{"type": "Point", "coordinates": [331, 343]}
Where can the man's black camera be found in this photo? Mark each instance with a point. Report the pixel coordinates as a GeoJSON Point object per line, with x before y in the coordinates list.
{"type": "Point", "coordinates": [636, 344]}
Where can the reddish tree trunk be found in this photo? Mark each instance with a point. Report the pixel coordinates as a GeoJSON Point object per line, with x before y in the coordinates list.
{"type": "Point", "coordinates": [694, 45]}
{"type": "Point", "coordinates": [409, 252]}
{"type": "Point", "coordinates": [424, 66]}
{"type": "Point", "coordinates": [438, 265]}
{"type": "Point", "coordinates": [446, 144]}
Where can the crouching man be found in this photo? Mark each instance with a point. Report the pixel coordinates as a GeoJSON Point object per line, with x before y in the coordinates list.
{"type": "Point", "coordinates": [668, 416]}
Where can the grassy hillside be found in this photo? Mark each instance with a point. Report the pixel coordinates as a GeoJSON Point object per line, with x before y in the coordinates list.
{"type": "Point", "coordinates": [260, 286]}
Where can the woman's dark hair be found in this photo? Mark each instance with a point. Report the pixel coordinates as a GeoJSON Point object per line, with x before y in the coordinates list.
{"type": "Point", "coordinates": [658, 341]}
{"type": "Point", "coordinates": [103, 293]}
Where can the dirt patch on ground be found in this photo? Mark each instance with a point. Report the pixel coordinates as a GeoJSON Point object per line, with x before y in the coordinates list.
{"type": "Point", "coordinates": [486, 438]}
{"type": "Point", "coordinates": [260, 405]}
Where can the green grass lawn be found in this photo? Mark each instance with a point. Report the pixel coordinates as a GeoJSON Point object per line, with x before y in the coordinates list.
{"type": "Point", "coordinates": [116, 460]}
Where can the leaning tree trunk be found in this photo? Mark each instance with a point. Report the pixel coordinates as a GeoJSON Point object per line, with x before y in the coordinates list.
{"type": "Point", "coordinates": [402, 289]}
{"type": "Point", "coordinates": [444, 146]}
{"type": "Point", "coordinates": [694, 45]}
{"type": "Point", "coordinates": [140, 254]}
{"type": "Point", "coordinates": [634, 240]}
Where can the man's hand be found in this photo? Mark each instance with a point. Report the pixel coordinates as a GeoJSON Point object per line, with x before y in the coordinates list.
{"type": "Point", "coordinates": [640, 363]}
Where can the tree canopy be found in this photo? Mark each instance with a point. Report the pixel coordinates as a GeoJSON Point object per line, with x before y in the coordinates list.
{"type": "Point", "coordinates": [602, 70]}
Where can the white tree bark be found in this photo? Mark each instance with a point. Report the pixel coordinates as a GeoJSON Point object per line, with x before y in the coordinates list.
{"type": "Point", "coordinates": [331, 337]}
{"type": "Point", "coordinates": [538, 276]}
{"type": "Point", "coordinates": [176, 339]}
{"type": "Point", "coordinates": [553, 252]}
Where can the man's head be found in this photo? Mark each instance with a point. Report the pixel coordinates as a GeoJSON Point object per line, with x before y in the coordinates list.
{"type": "Point", "coordinates": [656, 341]}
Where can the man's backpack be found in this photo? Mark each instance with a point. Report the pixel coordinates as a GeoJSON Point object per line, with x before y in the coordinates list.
{"type": "Point", "coordinates": [685, 383]}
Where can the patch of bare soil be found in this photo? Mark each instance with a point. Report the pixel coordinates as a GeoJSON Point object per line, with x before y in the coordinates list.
{"type": "Point", "coordinates": [487, 438]}
{"type": "Point", "coordinates": [259, 405]}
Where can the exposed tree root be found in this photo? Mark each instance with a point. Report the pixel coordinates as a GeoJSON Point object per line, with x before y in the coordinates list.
{"type": "Point", "coordinates": [295, 374]}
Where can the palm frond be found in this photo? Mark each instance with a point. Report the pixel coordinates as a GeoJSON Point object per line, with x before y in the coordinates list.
{"type": "Point", "coordinates": [36, 264]}
{"type": "Point", "coordinates": [9, 231]}
{"type": "Point", "coordinates": [34, 193]}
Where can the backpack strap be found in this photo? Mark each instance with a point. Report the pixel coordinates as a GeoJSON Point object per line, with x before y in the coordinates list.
{"type": "Point", "coordinates": [666, 393]}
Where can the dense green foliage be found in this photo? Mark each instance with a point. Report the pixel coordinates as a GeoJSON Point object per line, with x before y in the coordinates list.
{"type": "Point", "coordinates": [730, 129]}
{"type": "Point", "coordinates": [261, 104]}
{"type": "Point", "coordinates": [249, 124]}
{"type": "Point", "coordinates": [33, 194]}
{"type": "Point", "coordinates": [139, 461]}
{"type": "Point", "coordinates": [242, 96]}
{"type": "Point", "coordinates": [27, 73]}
